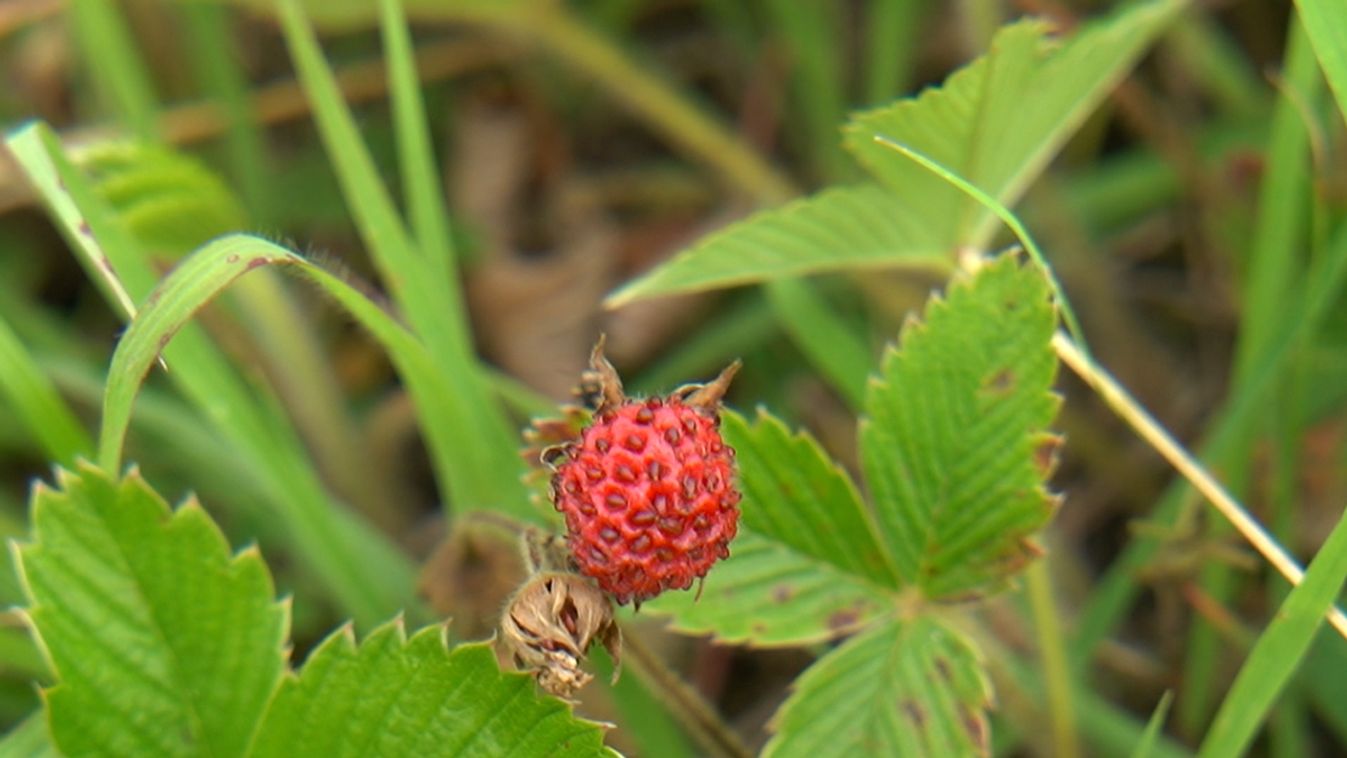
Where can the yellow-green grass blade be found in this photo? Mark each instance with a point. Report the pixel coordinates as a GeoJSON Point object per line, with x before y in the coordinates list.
{"type": "Point", "coordinates": [1279, 650]}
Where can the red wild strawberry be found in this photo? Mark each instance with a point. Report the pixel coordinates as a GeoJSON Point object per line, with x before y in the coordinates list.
{"type": "Point", "coordinates": [648, 490]}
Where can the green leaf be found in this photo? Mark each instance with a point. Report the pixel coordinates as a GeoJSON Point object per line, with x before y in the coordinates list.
{"type": "Point", "coordinates": [998, 121]}
{"type": "Point", "coordinates": [394, 696]}
{"type": "Point", "coordinates": [34, 401]}
{"type": "Point", "coordinates": [904, 688]}
{"type": "Point", "coordinates": [1326, 25]}
{"type": "Point", "coordinates": [30, 739]}
{"type": "Point", "coordinates": [954, 447]}
{"type": "Point", "coordinates": [844, 227]}
{"type": "Point", "coordinates": [162, 642]}
{"type": "Point", "coordinates": [767, 595]}
{"type": "Point", "coordinates": [806, 565]}
{"type": "Point", "coordinates": [1279, 649]}
{"type": "Point", "coordinates": [170, 201]}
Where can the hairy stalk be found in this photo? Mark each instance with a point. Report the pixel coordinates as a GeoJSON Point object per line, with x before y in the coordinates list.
{"type": "Point", "coordinates": [1145, 425]}
{"type": "Point", "coordinates": [686, 705]}
{"type": "Point", "coordinates": [1052, 650]}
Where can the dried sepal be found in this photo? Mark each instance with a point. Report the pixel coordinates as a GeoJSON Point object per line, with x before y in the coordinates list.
{"type": "Point", "coordinates": [600, 386]}
{"type": "Point", "coordinates": [549, 626]}
{"type": "Point", "coordinates": [707, 397]}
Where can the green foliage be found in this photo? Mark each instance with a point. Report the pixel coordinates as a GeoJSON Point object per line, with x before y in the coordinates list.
{"type": "Point", "coordinates": [368, 577]}
{"type": "Point", "coordinates": [996, 122]}
{"type": "Point", "coordinates": [35, 402]}
{"type": "Point", "coordinates": [911, 687]}
{"type": "Point", "coordinates": [955, 453]}
{"type": "Point", "coordinates": [1326, 26]}
{"type": "Point", "coordinates": [953, 447]}
{"type": "Point", "coordinates": [1279, 650]}
{"type": "Point", "coordinates": [169, 201]}
{"type": "Point", "coordinates": [475, 449]}
{"type": "Point", "coordinates": [395, 696]}
{"type": "Point", "coordinates": [163, 643]}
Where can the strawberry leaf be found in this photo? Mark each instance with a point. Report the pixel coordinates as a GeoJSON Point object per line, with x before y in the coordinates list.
{"type": "Point", "coordinates": [806, 566]}
{"type": "Point", "coordinates": [954, 447]}
{"type": "Point", "coordinates": [904, 688]}
{"type": "Point", "coordinates": [998, 121]}
{"type": "Point", "coordinates": [162, 642]}
{"type": "Point", "coordinates": [396, 696]}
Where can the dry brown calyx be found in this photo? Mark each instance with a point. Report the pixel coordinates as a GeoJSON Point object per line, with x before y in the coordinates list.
{"type": "Point", "coordinates": [551, 622]}
{"type": "Point", "coordinates": [601, 387]}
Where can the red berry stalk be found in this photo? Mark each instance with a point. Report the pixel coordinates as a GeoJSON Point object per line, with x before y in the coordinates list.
{"type": "Point", "coordinates": [648, 491]}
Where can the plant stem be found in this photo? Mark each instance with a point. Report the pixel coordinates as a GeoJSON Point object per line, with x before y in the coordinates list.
{"type": "Point", "coordinates": [686, 705]}
{"type": "Point", "coordinates": [1052, 651]}
{"type": "Point", "coordinates": [1129, 410]}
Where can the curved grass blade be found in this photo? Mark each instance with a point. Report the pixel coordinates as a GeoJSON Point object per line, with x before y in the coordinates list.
{"type": "Point", "coordinates": [368, 577]}
{"type": "Point", "coordinates": [206, 273]}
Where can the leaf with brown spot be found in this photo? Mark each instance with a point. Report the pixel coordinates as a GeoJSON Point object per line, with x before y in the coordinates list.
{"type": "Point", "coordinates": [954, 444]}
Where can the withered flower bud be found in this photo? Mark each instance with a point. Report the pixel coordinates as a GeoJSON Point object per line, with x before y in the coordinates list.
{"type": "Point", "coordinates": [549, 625]}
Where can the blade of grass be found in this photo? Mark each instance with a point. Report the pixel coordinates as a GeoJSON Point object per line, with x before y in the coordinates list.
{"type": "Point", "coordinates": [812, 37]}
{"type": "Point", "coordinates": [1052, 652]}
{"type": "Point", "coordinates": [1146, 746]}
{"type": "Point", "coordinates": [35, 402]}
{"type": "Point", "coordinates": [476, 463]}
{"type": "Point", "coordinates": [835, 350]}
{"type": "Point", "coordinates": [1279, 649]}
{"type": "Point", "coordinates": [1149, 429]}
{"type": "Point", "coordinates": [420, 180]}
{"type": "Point", "coordinates": [114, 66]}
{"type": "Point", "coordinates": [1274, 260]}
{"type": "Point", "coordinates": [1326, 25]}
{"type": "Point", "coordinates": [219, 75]}
{"type": "Point", "coordinates": [1229, 432]}
{"type": "Point", "coordinates": [367, 576]}
{"type": "Point", "coordinates": [1274, 265]}
{"type": "Point", "coordinates": [891, 41]}
{"type": "Point", "coordinates": [749, 322]}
